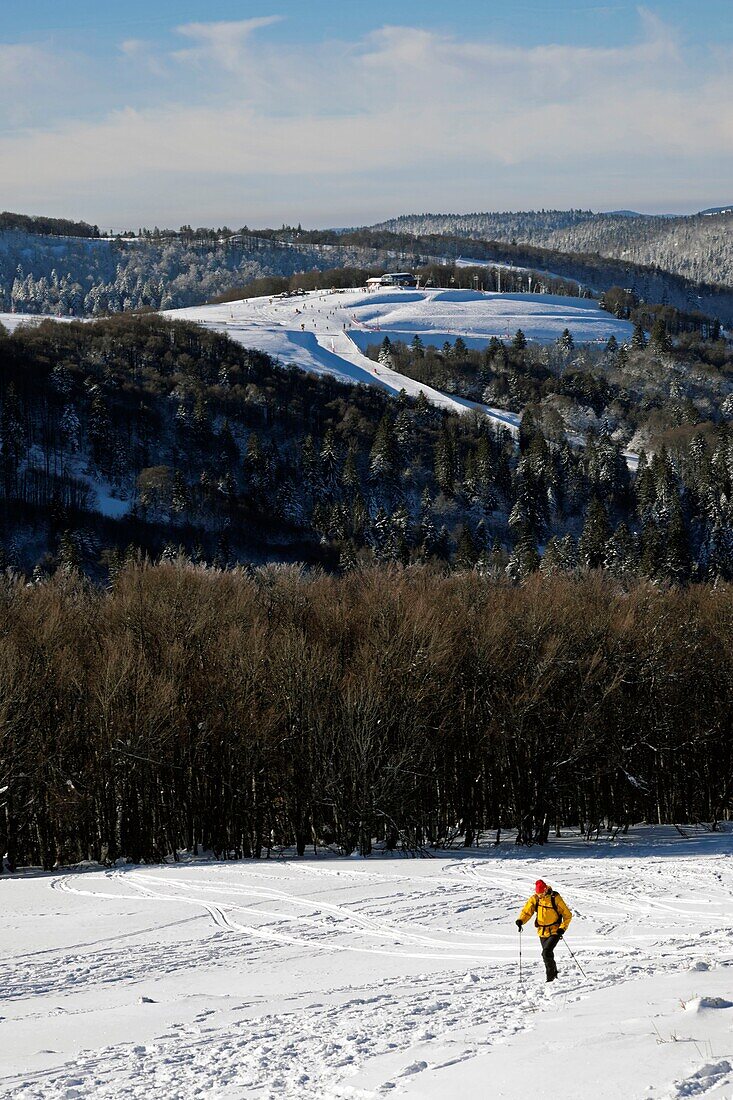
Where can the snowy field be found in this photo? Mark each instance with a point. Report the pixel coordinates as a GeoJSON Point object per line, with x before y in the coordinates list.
{"type": "Point", "coordinates": [334, 978]}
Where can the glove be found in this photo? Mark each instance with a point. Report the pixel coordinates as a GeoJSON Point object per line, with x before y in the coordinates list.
{"type": "Point", "coordinates": [561, 932]}
{"type": "Point", "coordinates": [519, 925]}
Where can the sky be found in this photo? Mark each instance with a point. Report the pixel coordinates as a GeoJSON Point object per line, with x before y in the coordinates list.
{"type": "Point", "coordinates": [345, 113]}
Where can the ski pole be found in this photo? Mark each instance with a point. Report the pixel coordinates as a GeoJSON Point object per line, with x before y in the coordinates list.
{"type": "Point", "coordinates": [572, 955]}
{"type": "Point", "coordinates": [520, 956]}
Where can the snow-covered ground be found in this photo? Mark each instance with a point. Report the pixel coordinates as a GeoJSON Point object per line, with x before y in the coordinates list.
{"type": "Point", "coordinates": [338, 978]}
{"type": "Point", "coordinates": [12, 321]}
{"type": "Point", "coordinates": [536, 271]}
{"type": "Point", "coordinates": [328, 332]}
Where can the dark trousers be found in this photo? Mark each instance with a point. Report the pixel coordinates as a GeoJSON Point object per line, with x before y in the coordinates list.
{"type": "Point", "coordinates": [549, 943]}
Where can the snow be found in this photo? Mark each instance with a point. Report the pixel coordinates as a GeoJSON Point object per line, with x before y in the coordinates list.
{"type": "Point", "coordinates": [12, 321]}
{"type": "Point", "coordinates": [536, 271]}
{"type": "Point", "coordinates": [327, 332]}
{"type": "Point", "coordinates": [106, 498]}
{"type": "Point", "coordinates": [334, 978]}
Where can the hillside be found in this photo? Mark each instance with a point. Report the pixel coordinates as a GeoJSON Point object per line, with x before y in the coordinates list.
{"type": "Point", "coordinates": [599, 273]}
{"type": "Point", "coordinates": [71, 275]}
{"type": "Point", "coordinates": [328, 332]}
{"type": "Point", "coordinates": [698, 247]}
{"type": "Point", "coordinates": [139, 434]}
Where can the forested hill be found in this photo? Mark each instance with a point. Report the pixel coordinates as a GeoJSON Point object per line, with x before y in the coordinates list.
{"type": "Point", "coordinates": [83, 275]}
{"type": "Point", "coordinates": [650, 283]}
{"type": "Point", "coordinates": [698, 247]}
{"type": "Point", "coordinates": [79, 276]}
{"type": "Point", "coordinates": [137, 434]}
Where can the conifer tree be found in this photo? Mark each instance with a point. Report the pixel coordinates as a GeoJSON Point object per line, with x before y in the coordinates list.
{"type": "Point", "coordinates": [99, 430]}
{"type": "Point", "coordinates": [620, 556]}
{"type": "Point", "coordinates": [418, 348]}
{"type": "Point", "coordinates": [592, 542]}
{"type": "Point", "coordinates": [530, 508]}
{"type": "Point", "coordinates": [551, 563]}
{"type": "Point", "coordinates": [386, 357]}
{"type": "Point", "coordinates": [445, 464]}
{"type": "Point", "coordinates": [652, 550]}
{"type": "Point", "coordinates": [328, 460]}
{"type": "Point", "coordinates": [349, 473]}
{"type": "Point", "coordinates": [659, 337]}
{"type": "Point", "coordinates": [422, 405]}
{"type": "Point", "coordinates": [382, 457]}
{"type": "Point", "coordinates": [466, 552]}
{"type": "Point", "coordinates": [638, 339]}
{"type": "Point", "coordinates": [644, 489]}
{"type": "Point", "coordinates": [524, 558]}
{"type": "Point", "coordinates": [677, 560]}
{"type": "Point", "coordinates": [717, 551]}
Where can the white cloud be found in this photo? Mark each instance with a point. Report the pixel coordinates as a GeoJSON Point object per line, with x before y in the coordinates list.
{"type": "Point", "coordinates": [18, 62]}
{"type": "Point", "coordinates": [221, 43]}
{"type": "Point", "coordinates": [25, 67]}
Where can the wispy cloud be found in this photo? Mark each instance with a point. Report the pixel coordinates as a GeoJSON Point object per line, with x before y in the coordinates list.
{"type": "Point", "coordinates": [431, 113]}
{"type": "Point", "coordinates": [221, 43]}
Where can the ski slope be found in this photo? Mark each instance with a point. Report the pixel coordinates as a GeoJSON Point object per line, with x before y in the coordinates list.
{"type": "Point", "coordinates": [325, 978]}
{"type": "Point", "coordinates": [328, 331]}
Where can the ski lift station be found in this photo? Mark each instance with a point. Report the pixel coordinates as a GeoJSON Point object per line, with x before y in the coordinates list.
{"type": "Point", "coordinates": [397, 278]}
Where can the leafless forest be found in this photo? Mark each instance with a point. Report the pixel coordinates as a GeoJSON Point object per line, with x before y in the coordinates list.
{"type": "Point", "coordinates": [240, 711]}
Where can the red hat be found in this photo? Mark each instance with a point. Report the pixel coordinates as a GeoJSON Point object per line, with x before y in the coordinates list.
{"type": "Point", "coordinates": [540, 886]}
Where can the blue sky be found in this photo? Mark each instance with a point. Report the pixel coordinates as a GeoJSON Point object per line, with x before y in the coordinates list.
{"type": "Point", "coordinates": [345, 113]}
{"type": "Point", "coordinates": [589, 22]}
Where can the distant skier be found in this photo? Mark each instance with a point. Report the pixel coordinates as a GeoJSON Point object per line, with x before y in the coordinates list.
{"type": "Point", "coordinates": [551, 918]}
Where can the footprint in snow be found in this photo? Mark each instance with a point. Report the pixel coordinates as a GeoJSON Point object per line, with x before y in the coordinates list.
{"type": "Point", "coordinates": [704, 1079]}
{"type": "Point", "coordinates": [415, 1067]}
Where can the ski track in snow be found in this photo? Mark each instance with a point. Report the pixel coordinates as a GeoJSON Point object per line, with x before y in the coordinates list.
{"type": "Point", "coordinates": [326, 978]}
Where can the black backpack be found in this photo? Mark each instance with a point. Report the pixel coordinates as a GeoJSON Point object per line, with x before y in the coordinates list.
{"type": "Point", "coordinates": [553, 895]}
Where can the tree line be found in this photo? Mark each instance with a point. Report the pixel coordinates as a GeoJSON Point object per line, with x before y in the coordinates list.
{"type": "Point", "coordinates": [244, 711]}
{"type": "Point", "coordinates": [47, 227]}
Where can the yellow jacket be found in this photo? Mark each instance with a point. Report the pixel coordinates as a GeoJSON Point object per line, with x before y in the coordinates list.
{"type": "Point", "coordinates": [550, 913]}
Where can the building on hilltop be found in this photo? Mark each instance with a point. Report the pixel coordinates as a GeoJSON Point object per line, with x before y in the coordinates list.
{"type": "Point", "coordinates": [396, 278]}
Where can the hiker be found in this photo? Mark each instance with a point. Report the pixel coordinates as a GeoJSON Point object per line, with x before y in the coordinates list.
{"type": "Point", "coordinates": [551, 919]}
